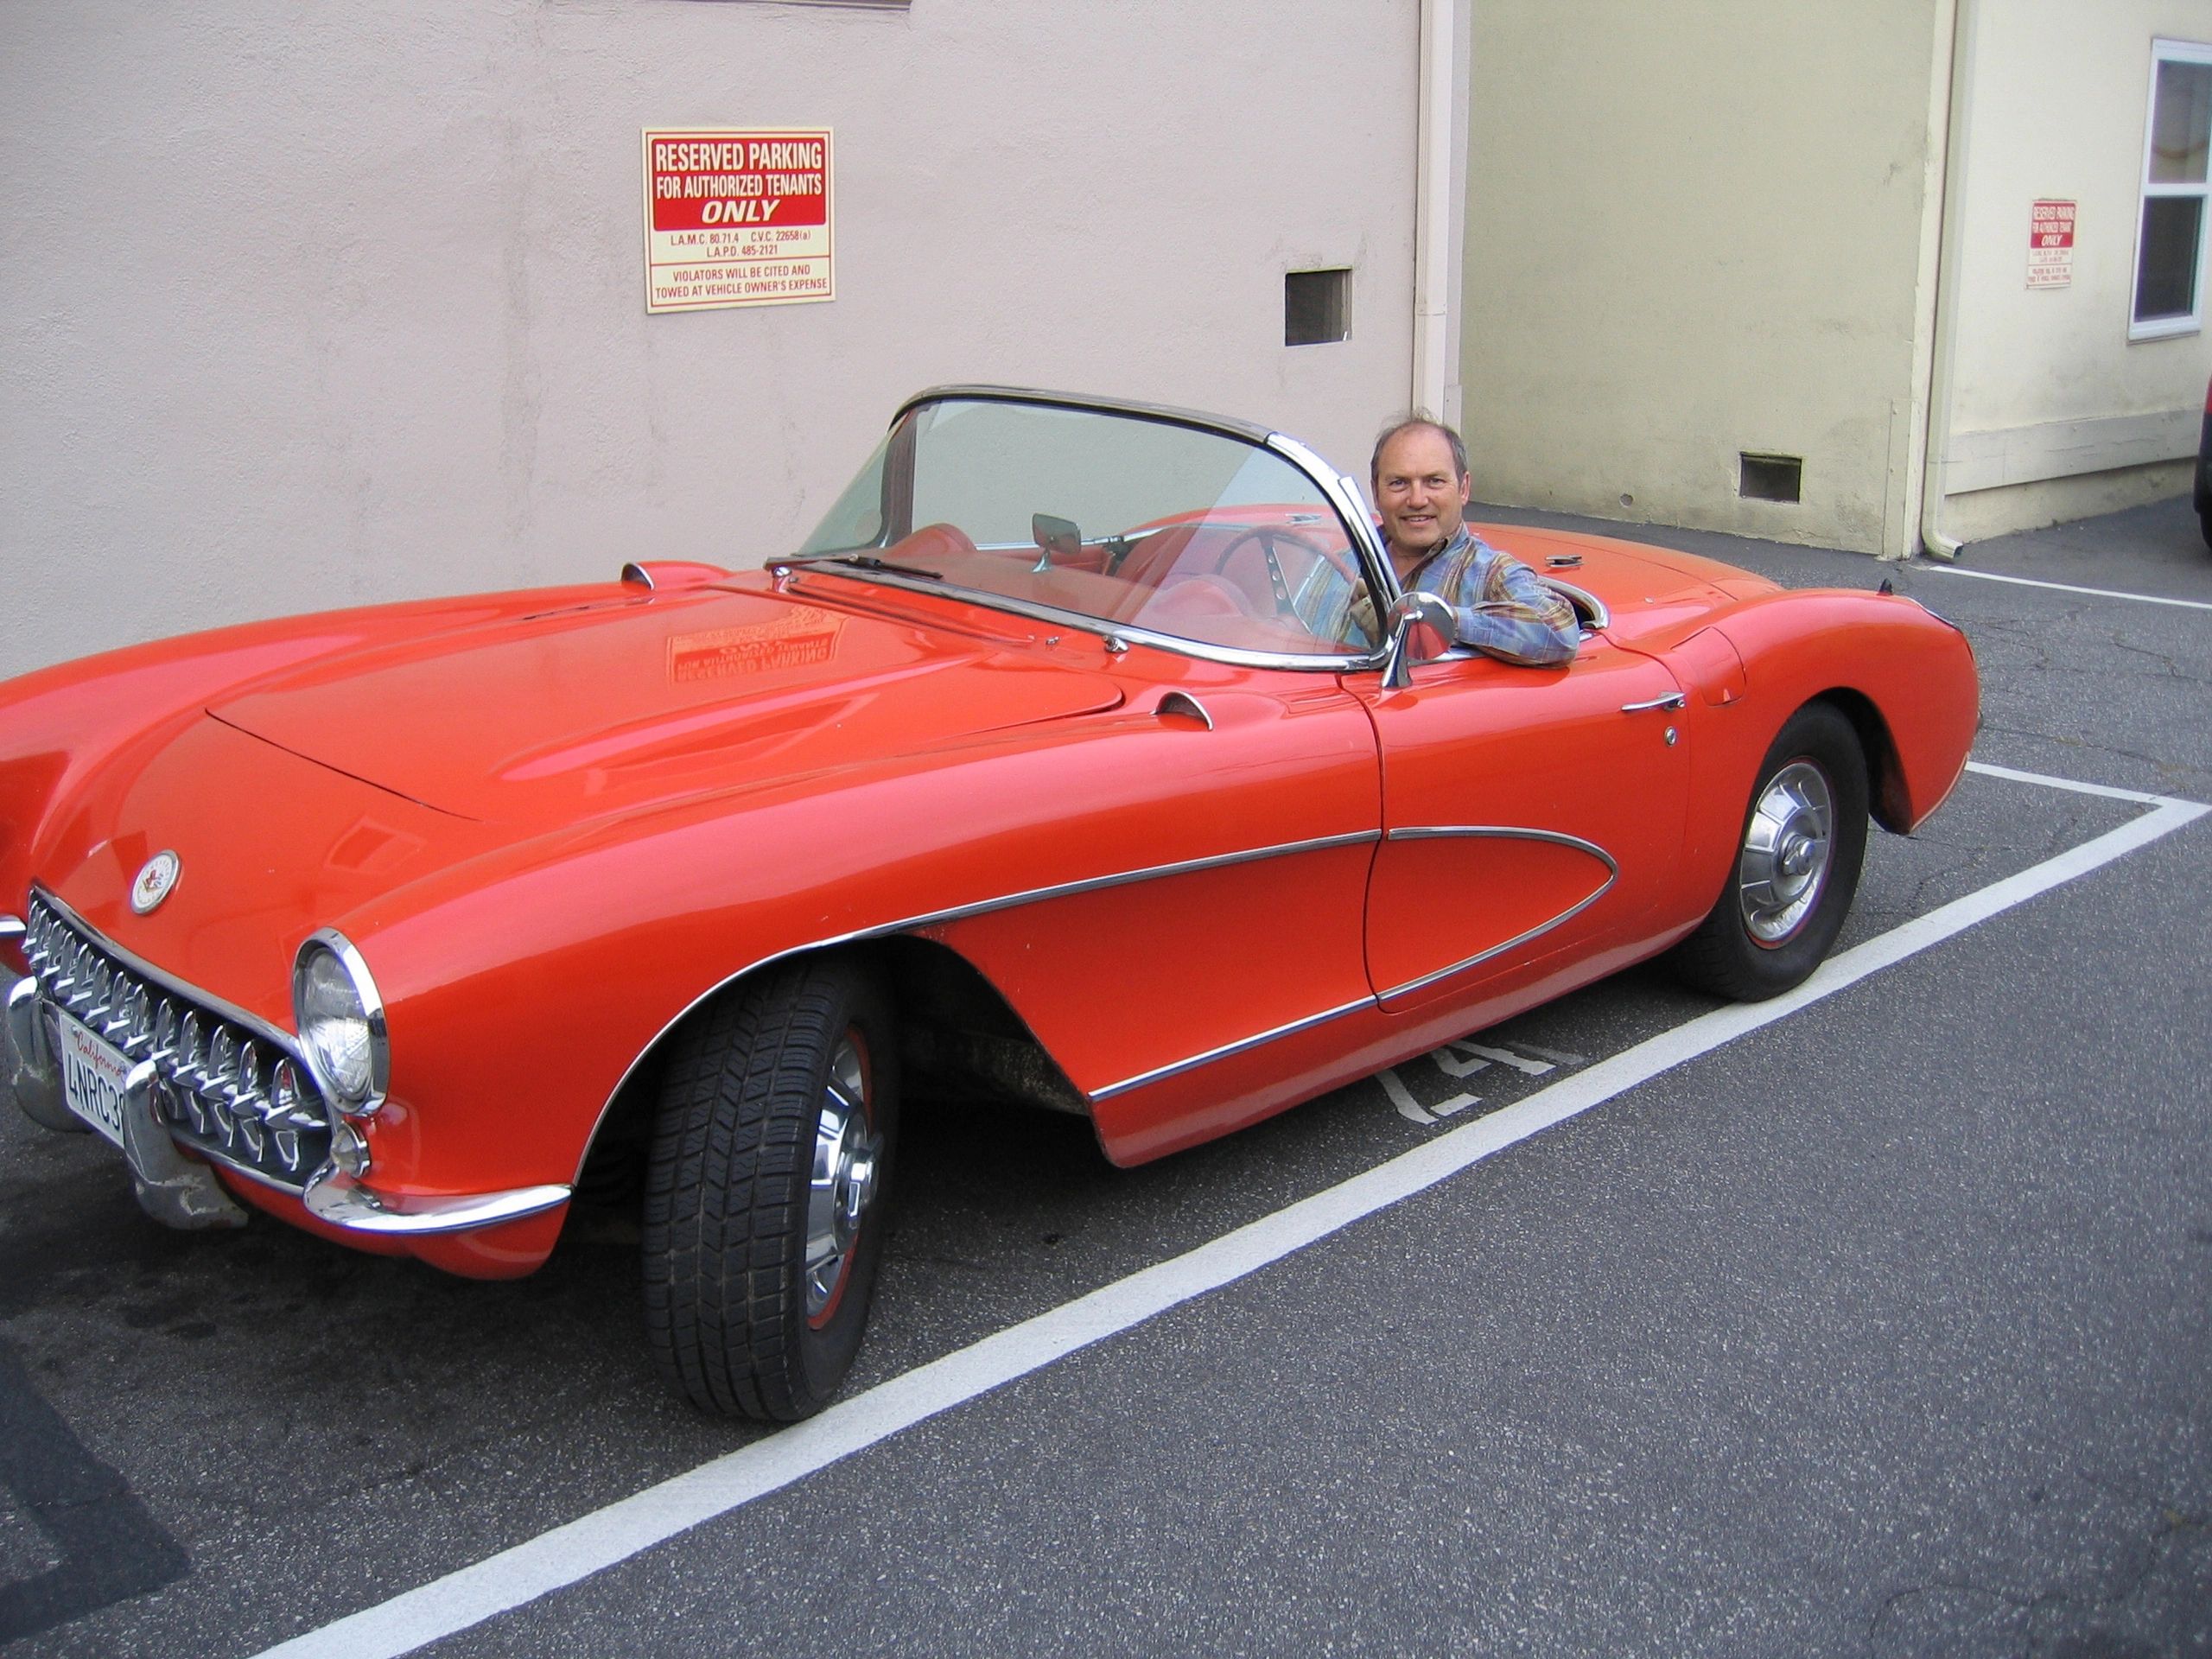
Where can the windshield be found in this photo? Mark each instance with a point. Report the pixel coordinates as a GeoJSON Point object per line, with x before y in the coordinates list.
{"type": "Point", "coordinates": [1115, 518]}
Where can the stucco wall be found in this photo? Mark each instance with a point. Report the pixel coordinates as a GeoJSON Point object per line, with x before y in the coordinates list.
{"type": "Point", "coordinates": [1692, 233]}
{"type": "Point", "coordinates": [2051, 401]}
{"type": "Point", "coordinates": [307, 306]}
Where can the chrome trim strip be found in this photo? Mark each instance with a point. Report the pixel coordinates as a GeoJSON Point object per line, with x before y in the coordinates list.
{"type": "Point", "coordinates": [1341, 492]}
{"type": "Point", "coordinates": [1160, 1073]}
{"type": "Point", "coordinates": [1228, 426]}
{"type": "Point", "coordinates": [1502, 832]}
{"type": "Point", "coordinates": [276, 1035]}
{"type": "Point", "coordinates": [1445, 832]}
{"type": "Point", "coordinates": [12, 928]}
{"type": "Point", "coordinates": [340, 1201]}
{"type": "Point", "coordinates": [1094, 884]}
{"type": "Point", "coordinates": [960, 912]}
{"type": "Point", "coordinates": [1335, 662]}
{"type": "Point", "coordinates": [259, 1176]}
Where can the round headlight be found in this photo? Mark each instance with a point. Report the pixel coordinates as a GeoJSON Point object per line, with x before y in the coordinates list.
{"type": "Point", "coordinates": [340, 1020]}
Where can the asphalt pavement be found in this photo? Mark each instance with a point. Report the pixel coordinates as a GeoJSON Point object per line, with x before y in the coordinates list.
{"type": "Point", "coordinates": [1879, 1328]}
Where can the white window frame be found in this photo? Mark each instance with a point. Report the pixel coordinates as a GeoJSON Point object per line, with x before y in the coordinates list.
{"type": "Point", "coordinates": [2165, 51]}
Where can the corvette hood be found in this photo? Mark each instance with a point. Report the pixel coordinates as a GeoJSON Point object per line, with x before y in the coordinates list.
{"type": "Point", "coordinates": [599, 706]}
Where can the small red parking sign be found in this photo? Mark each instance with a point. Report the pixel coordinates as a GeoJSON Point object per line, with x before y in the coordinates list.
{"type": "Point", "coordinates": [2050, 245]}
{"type": "Point", "coordinates": [737, 216]}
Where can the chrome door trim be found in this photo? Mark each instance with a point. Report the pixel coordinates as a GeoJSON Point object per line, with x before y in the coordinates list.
{"type": "Point", "coordinates": [1097, 883]}
{"type": "Point", "coordinates": [1503, 832]}
{"type": "Point", "coordinates": [1161, 1073]}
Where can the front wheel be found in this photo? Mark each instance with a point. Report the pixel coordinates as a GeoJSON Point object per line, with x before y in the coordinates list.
{"type": "Point", "coordinates": [764, 1191]}
{"type": "Point", "coordinates": [1796, 864]}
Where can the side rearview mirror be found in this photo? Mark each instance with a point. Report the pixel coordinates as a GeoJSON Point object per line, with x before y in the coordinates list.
{"type": "Point", "coordinates": [1056, 538]}
{"type": "Point", "coordinates": [1420, 632]}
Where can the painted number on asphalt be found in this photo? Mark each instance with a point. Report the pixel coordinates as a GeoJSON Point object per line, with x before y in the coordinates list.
{"type": "Point", "coordinates": [1426, 1096]}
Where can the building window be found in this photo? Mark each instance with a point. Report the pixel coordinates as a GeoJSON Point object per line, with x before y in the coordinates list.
{"type": "Point", "coordinates": [2169, 241]}
{"type": "Point", "coordinates": [1316, 306]}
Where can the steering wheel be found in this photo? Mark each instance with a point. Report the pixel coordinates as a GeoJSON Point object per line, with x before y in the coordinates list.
{"type": "Point", "coordinates": [1269, 539]}
{"type": "Point", "coordinates": [1266, 537]}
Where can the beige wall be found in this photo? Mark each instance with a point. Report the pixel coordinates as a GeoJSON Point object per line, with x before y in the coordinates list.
{"type": "Point", "coordinates": [309, 306]}
{"type": "Point", "coordinates": [1698, 230]}
{"type": "Point", "coordinates": [2055, 413]}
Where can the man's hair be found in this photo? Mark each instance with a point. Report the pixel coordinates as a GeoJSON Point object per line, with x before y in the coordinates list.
{"type": "Point", "coordinates": [1419, 420]}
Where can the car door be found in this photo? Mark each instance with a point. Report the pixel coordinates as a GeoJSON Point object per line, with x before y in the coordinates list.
{"type": "Point", "coordinates": [1529, 816]}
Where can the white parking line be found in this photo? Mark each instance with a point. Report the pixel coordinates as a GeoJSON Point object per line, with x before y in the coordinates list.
{"type": "Point", "coordinates": [603, 1539]}
{"type": "Point", "coordinates": [2068, 587]}
{"type": "Point", "coordinates": [2071, 785]}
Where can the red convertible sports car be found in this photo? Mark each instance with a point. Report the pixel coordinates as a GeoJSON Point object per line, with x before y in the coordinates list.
{"type": "Point", "coordinates": [1087, 755]}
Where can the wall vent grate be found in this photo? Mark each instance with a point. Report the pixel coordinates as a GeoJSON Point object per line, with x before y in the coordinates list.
{"type": "Point", "coordinates": [1770, 478]}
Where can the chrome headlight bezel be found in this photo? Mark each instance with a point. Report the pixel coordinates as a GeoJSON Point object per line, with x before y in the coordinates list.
{"type": "Point", "coordinates": [353, 974]}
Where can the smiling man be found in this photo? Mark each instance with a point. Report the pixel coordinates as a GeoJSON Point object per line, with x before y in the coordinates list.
{"type": "Point", "coordinates": [1418, 475]}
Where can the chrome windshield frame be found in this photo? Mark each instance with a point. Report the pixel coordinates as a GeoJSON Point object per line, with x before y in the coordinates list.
{"type": "Point", "coordinates": [1339, 491]}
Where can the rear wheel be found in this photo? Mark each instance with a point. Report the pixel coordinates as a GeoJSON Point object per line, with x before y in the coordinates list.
{"type": "Point", "coordinates": [764, 1191]}
{"type": "Point", "coordinates": [1796, 864]}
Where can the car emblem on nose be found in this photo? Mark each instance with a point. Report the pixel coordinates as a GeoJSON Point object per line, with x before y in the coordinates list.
{"type": "Point", "coordinates": [156, 880]}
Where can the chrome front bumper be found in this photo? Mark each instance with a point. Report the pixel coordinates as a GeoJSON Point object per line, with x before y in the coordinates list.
{"type": "Point", "coordinates": [32, 1075]}
{"type": "Point", "coordinates": [175, 1190]}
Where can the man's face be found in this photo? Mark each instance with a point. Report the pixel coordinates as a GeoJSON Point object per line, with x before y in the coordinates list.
{"type": "Point", "coordinates": [1418, 493]}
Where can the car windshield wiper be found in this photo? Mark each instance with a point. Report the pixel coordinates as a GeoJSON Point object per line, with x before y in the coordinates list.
{"type": "Point", "coordinates": [869, 561]}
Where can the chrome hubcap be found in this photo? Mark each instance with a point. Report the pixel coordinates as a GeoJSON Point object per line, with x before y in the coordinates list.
{"type": "Point", "coordinates": [846, 1153]}
{"type": "Point", "coordinates": [1786, 851]}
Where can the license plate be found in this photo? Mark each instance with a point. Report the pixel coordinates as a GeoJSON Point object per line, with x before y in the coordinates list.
{"type": "Point", "coordinates": [93, 1071]}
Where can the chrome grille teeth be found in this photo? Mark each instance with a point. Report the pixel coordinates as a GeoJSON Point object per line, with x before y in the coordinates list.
{"type": "Point", "coordinates": [126, 1024]}
{"type": "Point", "coordinates": [222, 1068]}
{"type": "Point", "coordinates": [246, 1091]}
{"type": "Point", "coordinates": [189, 1050]}
{"type": "Point", "coordinates": [286, 1103]}
{"type": "Point", "coordinates": [165, 1031]}
{"type": "Point", "coordinates": [219, 1083]}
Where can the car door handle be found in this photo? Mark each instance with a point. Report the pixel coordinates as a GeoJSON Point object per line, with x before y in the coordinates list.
{"type": "Point", "coordinates": [1672, 699]}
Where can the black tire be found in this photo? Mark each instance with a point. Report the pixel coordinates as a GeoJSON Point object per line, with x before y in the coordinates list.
{"type": "Point", "coordinates": [2204, 522]}
{"type": "Point", "coordinates": [1773, 924]}
{"type": "Point", "coordinates": [738, 1322]}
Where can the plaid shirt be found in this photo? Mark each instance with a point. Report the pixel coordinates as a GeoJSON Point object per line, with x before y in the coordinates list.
{"type": "Point", "coordinates": [1500, 606]}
